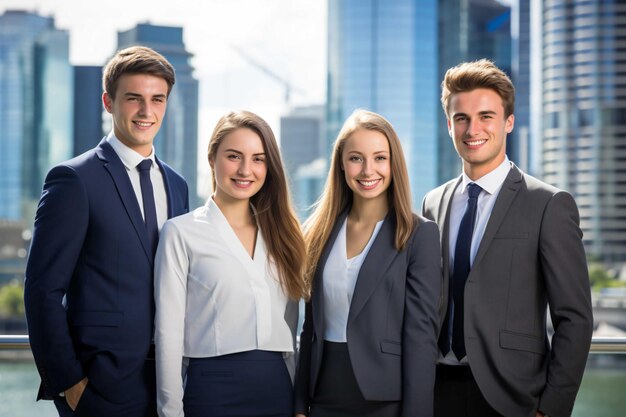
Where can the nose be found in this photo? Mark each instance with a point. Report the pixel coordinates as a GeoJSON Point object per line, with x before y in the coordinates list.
{"type": "Point", "coordinates": [244, 168]}
{"type": "Point", "coordinates": [473, 127]}
{"type": "Point", "coordinates": [366, 168]}
{"type": "Point", "coordinates": [145, 108]}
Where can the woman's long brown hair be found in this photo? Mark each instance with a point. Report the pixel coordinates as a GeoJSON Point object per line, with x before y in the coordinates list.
{"type": "Point", "coordinates": [274, 212]}
{"type": "Point", "coordinates": [337, 196]}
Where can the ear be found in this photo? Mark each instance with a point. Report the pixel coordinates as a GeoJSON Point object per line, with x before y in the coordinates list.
{"type": "Point", "coordinates": [107, 102]}
{"type": "Point", "coordinates": [509, 123]}
{"type": "Point", "coordinates": [450, 128]}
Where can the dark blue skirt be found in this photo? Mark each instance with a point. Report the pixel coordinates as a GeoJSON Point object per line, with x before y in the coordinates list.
{"type": "Point", "coordinates": [247, 384]}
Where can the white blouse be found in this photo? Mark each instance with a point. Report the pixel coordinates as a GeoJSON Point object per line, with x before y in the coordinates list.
{"type": "Point", "coordinates": [339, 280]}
{"type": "Point", "coordinates": [213, 299]}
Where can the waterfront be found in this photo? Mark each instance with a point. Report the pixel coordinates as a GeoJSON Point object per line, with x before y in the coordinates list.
{"type": "Point", "coordinates": [601, 394]}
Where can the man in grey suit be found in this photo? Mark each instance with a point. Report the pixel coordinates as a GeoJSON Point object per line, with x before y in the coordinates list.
{"type": "Point", "coordinates": [511, 248]}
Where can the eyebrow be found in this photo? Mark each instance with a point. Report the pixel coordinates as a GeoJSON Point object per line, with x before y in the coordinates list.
{"type": "Point", "coordinates": [241, 153]}
{"type": "Point", "coordinates": [360, 153]}
{"type": "Point", "coordinates": [131, 94]}
{"type": "Point", "coordinates": [481, 113]}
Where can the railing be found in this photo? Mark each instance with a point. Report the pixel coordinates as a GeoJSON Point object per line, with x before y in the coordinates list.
{"type": "Point", "coordinates": [598, 344]}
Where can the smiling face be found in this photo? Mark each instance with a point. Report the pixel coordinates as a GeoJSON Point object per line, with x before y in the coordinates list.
{"type": "Point", "coordinates": [366, 162]}
{"type": "Point", "coordinates": [239, 167]}
{"type": "Point", "coordinates": [137, 110]}
{"type": "Point", "coordinates": [478, 127]}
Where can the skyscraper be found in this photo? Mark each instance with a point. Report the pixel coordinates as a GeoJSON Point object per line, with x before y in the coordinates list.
{"type": "Point", "coordinates": [87, 108]}
{"type": "Point", "coordinates": [302, 141]}
{"type": "Point", "coordinates": [382, 56]}
{"type": "Point", "coordinates": [36, 90]}
{"type": "Point", "coordinates": [468, 30]}
{"type": "Point", "coordinates": [177, 141]}
{"type": "Point", "coordinates": [390, 57]}
{"type": "Point", "coordinates": [583, 132]}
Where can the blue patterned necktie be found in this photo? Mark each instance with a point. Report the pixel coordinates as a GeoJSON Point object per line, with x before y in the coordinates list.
{"type": "Point", "coordinates": [149, 207]}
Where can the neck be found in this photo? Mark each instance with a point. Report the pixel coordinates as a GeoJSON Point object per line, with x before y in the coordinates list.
{"type": "Point", "coordinates": [370, 210]}
{"type": "Point", "coordinates": [475, 172]}
{"type": "Point", "coordinates": [237, 212]}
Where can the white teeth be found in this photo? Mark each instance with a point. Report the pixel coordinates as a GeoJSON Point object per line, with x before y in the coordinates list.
{"type": "Point", "coordinates": [368, 183]}
{"type": "Point", "coordinates": [476, 142]}
{"type": "Point", "coordinates": [242, 182]}
{"type": "Point", "coordinates": [143, 124]}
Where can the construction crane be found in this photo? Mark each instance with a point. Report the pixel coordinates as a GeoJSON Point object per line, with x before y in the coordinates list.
{"type": "Point", "coordinates": [270, 73]}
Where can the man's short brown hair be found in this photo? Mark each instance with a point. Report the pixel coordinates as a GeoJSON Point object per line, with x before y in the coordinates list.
{"type": "Point", "coordinates": [136, 60]}
{"type": "Point", "coordinates": [469, 76]}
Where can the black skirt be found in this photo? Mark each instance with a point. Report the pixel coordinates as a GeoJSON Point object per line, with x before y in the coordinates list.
{"type": "Point", "coordinates": [337, 393]}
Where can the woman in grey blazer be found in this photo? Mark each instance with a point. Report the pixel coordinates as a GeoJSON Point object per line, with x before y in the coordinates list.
{"type": "Point", "coordinates": [369, 342]}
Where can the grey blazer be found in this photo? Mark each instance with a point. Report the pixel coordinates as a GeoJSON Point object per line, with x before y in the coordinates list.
{"type": "Point", "coordinates": [531, 256]}
{"type": "Point", "coordinates": [392, 323]}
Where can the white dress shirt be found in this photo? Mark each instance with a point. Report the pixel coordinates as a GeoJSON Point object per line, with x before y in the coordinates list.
{"type": "Point", "coordinates": [339, 280]}
{"type": "Point", "coordinates": [212, 299]}
{"type": "Point", "coordinates": [131, 159]}
{"type": "Point", "coordinates": [491, 184]}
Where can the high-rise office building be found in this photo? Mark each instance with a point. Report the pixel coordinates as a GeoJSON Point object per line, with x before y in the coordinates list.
{"type": "Point", "coordinates": [36, 90]}
{"type": "Point", "coordinates": [87, 108]}
{"type": "Point", "coordinates": [519, 141]}
{"type": "Point", "coordinates": [302, 138]}
{"type": "Point", "coordinates": [177, 141]}
{"type": "Point", "coordinates": [302, 141]}
{"type": "Point", "coordinates": [390, 57]}
{"type": "Point", "coordinates": [583, 132]}
{"type": "Point", "coordinates": [468, 30]}
{"type": "Point", "coordinates": [382, 56]}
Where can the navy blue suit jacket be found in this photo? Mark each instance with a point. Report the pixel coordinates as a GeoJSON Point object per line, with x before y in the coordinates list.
{"type": "Point", "coordinates": [89, 285]}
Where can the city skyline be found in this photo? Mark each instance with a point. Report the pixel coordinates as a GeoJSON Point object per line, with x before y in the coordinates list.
{"type": "Point", "coordinates": [286, 37]}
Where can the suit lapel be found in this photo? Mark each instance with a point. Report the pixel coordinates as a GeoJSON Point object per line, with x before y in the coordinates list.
{"type": "Point", "coordinates": [381, 254]}
{"type": "Point", "coordinates": [443, 218]}
{"type": "Point", "coordinates": [168, 188]}
{"type": "Point", "coordinates": [117, 170]}
{"type": "Point", "coordinates": [317, 296]}
{"type": "Point", "coordinates": [507, 194]}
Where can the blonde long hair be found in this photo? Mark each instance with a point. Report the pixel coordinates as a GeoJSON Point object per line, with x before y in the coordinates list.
{"type": "Point", "coordinates": [337, 196]}
{"type": "Point", "coordinates": [274, 212]}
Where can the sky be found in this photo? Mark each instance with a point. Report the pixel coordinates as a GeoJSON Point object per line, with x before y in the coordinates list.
{"type": "Point", "coordinates": [286, 36]}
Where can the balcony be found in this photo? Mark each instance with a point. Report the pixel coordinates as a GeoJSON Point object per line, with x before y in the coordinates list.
{"type": "Point", "coordinates": [601, 393]}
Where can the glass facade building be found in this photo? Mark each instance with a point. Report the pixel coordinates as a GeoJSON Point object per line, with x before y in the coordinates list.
{"type": "Point", "coordinates": [468, 30]}
{"type": "Point", "coordinates": [382, 56]}
{"type": "Point", "coordinates": [36, 90]}
{"type": "Point", "coordinates": [390, 57]}
{"type": "Point", "coordinates": [177, 141]}
{"type": "Point", "coordinates": [583, 133]}
{"type": "Point", "coordinates": [87, 108]}
{"type": "Point", "coordinates": [302, 141]}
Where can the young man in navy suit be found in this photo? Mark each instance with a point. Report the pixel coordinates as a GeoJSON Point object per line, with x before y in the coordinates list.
{"type": "Point", "coordinates": [89, 285]}
{"type": "Point", "coordinates": [512, 248]}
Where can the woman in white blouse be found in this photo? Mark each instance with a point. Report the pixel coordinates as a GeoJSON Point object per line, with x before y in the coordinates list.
{"type": "Point", "coordinates": [227, 279]}
{"type": "Point", "coordinates": [369, 342]}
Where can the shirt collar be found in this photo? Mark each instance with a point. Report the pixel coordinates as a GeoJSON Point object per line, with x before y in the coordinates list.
{"type": "Point", "coordinates": [492, 181]}
{"type": "Point", "coordinates": [129, 157]}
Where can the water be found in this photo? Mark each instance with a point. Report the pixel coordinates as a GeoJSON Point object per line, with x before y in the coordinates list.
{"type": "Point", "coordinates": [601, 393]}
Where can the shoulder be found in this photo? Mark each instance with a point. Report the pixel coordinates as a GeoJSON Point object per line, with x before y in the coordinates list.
{"type": "Point", "coordinates": [539, 191]}
{"type": "Point", "coordinates": [172, 174]}
{"type": "Point", "coordinates": [424, 229]}
{"type": "Point", "coordinates": [433, 198]}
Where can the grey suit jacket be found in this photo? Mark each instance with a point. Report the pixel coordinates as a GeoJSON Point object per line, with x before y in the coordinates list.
{"type": "Point", "coordinates": [531, 256]}
{"type": "Point", "coordinates": [392, 323]}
